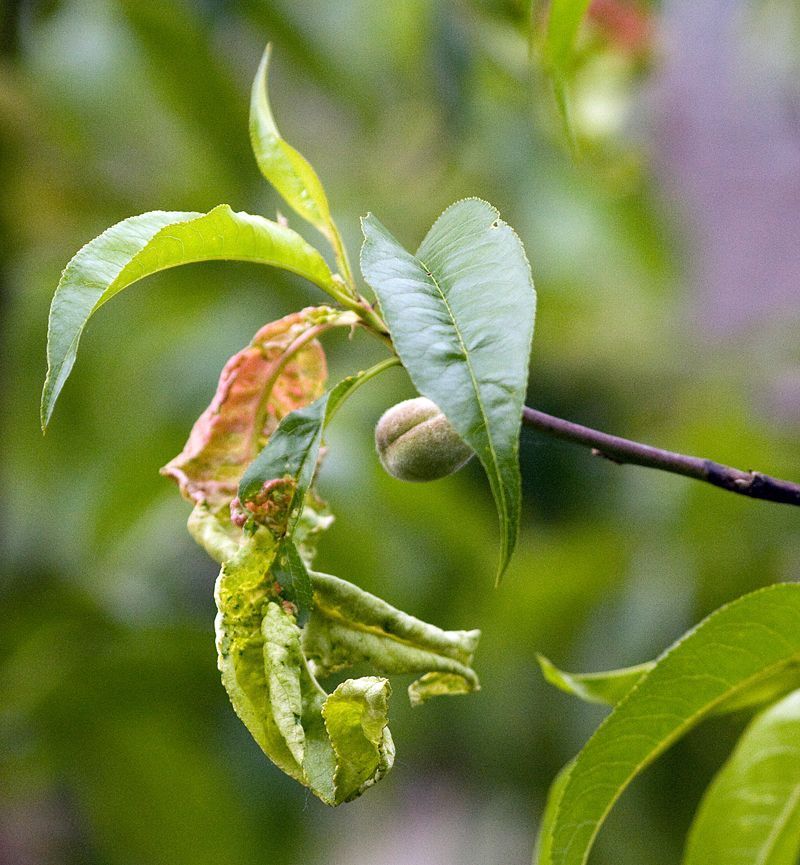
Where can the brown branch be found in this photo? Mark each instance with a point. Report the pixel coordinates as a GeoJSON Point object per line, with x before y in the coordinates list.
{"type": "Point", "coordinates": [620, 450]}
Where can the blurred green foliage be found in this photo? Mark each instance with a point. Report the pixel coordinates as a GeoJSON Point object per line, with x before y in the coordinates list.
{"type": "Point", "coordinates": [118, 745]}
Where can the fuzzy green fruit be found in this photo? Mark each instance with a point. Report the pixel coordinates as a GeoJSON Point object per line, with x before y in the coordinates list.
{"type": "Point", "coordinates": [416, 442]}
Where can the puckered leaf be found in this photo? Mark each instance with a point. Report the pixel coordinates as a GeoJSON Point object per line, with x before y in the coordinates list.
{"type": "Point", "coordinates": [750, 815]}
{"type": "Point", "coordinates": [281, 370]}
{"type": "Point", "coordinates": [350, 626]}
{"type": "Point", "coordinates": [274, 693]}
{"type": "Point", "coordinates": [338, 745]}
{"type": "Point", "coordinates": [742, 644]}
{"type": "Point", "coordinates": [143, 245]}
{"type": "Point", "coordinates": [461, 315]}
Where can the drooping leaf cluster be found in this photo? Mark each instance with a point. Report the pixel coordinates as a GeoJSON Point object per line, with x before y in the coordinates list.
{"type": "Point", "coordinates": [458, 316]}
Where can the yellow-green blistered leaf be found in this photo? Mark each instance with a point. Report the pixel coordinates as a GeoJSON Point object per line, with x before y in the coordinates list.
{"type": "Point", "coordinates": [461, 313]}
{"type": "Point", "coordinates": [336, 744]}
{"type": "Point", "coordinates": [143, 245]}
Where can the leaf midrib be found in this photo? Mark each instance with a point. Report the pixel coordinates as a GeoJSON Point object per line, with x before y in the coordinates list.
{"type": "Point", "coordinates": [501, 498]}
{"type": "Point", "coordinates": [791, 808]}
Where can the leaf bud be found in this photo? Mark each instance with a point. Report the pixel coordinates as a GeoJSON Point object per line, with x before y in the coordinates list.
{"type": "Point", "coordinates": [416, 442]}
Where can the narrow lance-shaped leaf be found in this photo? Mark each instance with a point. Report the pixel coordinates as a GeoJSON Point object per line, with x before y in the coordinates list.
{"type": "Point", "coordinates": [283, 166]}
{"type": "Point", "coordinates": [143, 245]}
{"type": "Point", "coordinates": [287, 169]}
{"type": "Point", "coordinates": [611, 686]}
{"type": "Point", "coordinates": [461, 315]}
{"type": "Point", "coordinates": [735, 648]}
{"type": "Point", "coordinates": [274, 487]}
{"type": "Point", "coordinates": [750, 815]}
{"type": "Point", "coordinates": [607, 688]}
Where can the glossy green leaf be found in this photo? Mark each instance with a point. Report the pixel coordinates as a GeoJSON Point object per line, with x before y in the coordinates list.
{"type": "Point", "coordinates": [746, 642]}
{"type": "Point", "coordinates": [750, 815]}
{"type": "Point", "coordinates": [461, 313]}
{"type": "Point", "coordinates": [287, 169]}
{"type": "Point", "coordinates": [143, 245]}
{"type": "Point", "coordinates": [274, 487]}
{"type": "Point", "coordinates": [350, 626]}
{"type": "Point", "coordinates": [611, 686]}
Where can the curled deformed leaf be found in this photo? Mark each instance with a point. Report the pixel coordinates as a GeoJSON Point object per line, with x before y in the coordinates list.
{"type": "Point", "coordinates": [277, 697]}
{"type": "Point", "coordinates": [461, 312]}
{"type": "Point", "coordinates": [281, 370]}
{"type": "Point", "coordinates": [350, 626]}
{"type": "Point", "coordinates": [336, 744]}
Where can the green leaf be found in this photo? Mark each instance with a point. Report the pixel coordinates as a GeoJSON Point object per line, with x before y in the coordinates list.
{"type": "Point", "coordinates": [542, 853]}
{"type": "Point", "coordinates": [143, 245]}
{"type": "Point", "coordinates": [607, 688]}
{"type": "Point", "coordinates": [288, 170]}
{"type": "Point", "coordinates": [292, 575]}
{"type": "Point", "coordinates": [611, 686]}
{"type": "Point", "coordinates": [563, 22]}
{"type": "Point", "coordinates": [734, 649]}
{"type": "Point", "coordinates": [350, 626]}
{"type": "Point", "coordinates": [274, 486]}
{"type": "Point", "coordinates": [750, 815]}
{"type": "Point", "coordinates": [461, 315]}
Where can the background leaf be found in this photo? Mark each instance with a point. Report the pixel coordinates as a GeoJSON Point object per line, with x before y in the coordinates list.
{"type": "Point", "coordinates": [563, 21]}
{"type": "Point", "coordinates": [461, 315]}
{"type": "Point", "coordinates": [750, 814]}
{"type": "Point", "coordinates": [746, 641]}
{"type": "Point", "coordinates": [607, 688]}
{"type": "Point", "coordinates": [611, 686]}
{"type": "Point", "coordinates": [143, 245]}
